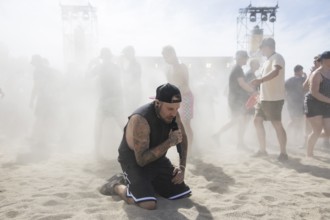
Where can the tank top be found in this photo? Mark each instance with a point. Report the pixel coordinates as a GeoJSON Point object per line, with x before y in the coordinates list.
{"type": "Point", "coordinates": [325, 86]}
{"type": "Point", "coordinates": [159, 131]}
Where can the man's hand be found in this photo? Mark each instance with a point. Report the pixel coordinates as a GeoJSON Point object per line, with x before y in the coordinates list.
{"type": "Point", "coordinates": [256, 82]}
{"type": "Point", "coordinates": [175, 137]}
{"type": "Point", "coordinates": [178, 174]}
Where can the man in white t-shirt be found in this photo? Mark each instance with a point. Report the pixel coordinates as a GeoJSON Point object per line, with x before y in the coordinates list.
{"type": "Point", "coordinates": [272, 94]}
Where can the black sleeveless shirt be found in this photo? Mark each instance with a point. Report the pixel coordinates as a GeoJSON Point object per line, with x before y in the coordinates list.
{"type": "Point", "coordinates": [325, 86]}
{"type": "Point", "coordinates": [159, 131]}
{"type": "Point", "coordinates": [324, 89]}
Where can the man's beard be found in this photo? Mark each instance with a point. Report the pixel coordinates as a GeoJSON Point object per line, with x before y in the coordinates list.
{"type": "Point", "coordinates": [157, 109]}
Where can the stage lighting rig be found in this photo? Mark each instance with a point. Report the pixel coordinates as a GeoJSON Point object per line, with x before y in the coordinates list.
{"type": "Point", "coordinates": [253, 17]}
{"type": "Point", "coordinates": [263, 16]}
{"type": "Point", "coordinates": [260, 12]}
{"type": "Point", "coordinates": [253, 24]}
{"type": "Point", "coordinates": [272, 17]}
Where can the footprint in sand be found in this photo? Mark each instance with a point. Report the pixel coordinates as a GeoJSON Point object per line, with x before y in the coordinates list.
{"type": "Point", "coordinates": [12, 214]}
{"type": "Point", "coordinates": [262, 180]}
{"type": "Point", "coordinates": [91, 195]}
{"type": "Point", "coordinates": [242, 197]}
{"type": "Point", "coordinates": [269, 198]}
{"type": "Point", "coordinates": [326, 194]}
{"type": "Point", "coordinates": [56, 217]}
{"type": "Point", "coordinates": [315, 194]}
{"type": "Point", "coordinates": [51, 203]}
{"type": "Point", "coordinates": [39, 195]}
{"type": "Point", "coordinates": [95, 210]}
{"type": "Point", "coordinates": [62, 195]}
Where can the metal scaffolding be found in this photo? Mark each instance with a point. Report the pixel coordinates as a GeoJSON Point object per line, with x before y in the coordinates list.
{"type": "Point", "coordinates": [253, 24]}
{"type": "Point", "coordinates": [79, 31]}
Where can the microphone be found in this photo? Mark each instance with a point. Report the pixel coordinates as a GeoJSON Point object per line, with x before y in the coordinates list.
{"type": "Point", "coordinates": [175, 127]}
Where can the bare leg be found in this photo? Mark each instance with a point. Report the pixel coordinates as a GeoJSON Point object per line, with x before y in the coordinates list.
{"type": "Point", "coordinates": [242, 129]}
{"type": "Point", "coordinates": [326, 128]}
{"type": "Point", "coordinates": [189, 131]}
{"type": "Point", "coordinates": [281, 135]}
{"type": "Point", "coordinates": [121, 191]}
{"type": "Point", "coordinates": [308, 130]}
{"type": "Point", "coordinates": [259, 125]}
{"type": "Point", "coordinates": [225, 127]}
{"type": "Point", "coordinates": [316, 124]}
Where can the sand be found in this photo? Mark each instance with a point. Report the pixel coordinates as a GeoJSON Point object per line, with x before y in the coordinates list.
{"type": "Point", "coordinates": [226, 183]}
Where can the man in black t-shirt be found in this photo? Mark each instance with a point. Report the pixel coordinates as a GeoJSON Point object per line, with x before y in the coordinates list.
{"type": "Point", "coordinates": [295, 101]}
{"type": "Point", "coordinates": [238, 94]}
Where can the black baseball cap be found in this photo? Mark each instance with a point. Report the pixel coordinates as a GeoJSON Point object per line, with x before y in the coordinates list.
{"type": "Point", "coordinates": [168, 93]}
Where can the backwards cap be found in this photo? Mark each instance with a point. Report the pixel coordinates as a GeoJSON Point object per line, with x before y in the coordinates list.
{"type": "Point", "coordinates": [168, 93]}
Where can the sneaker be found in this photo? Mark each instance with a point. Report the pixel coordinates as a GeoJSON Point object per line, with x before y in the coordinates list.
{"type": "Point", "coordinates": [283, 157]}
{"type": "Point", "coordinates": [108, 189]}
{"type": "Point", "coordinates": [260, 154]}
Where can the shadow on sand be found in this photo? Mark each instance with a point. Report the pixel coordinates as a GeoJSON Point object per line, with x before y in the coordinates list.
{"type": "Point", "coordinates": [219, 180]}
{"type": "Point", "coordinates": [169, 209]}
{"type": "Point", "coordinates": [295, 164]}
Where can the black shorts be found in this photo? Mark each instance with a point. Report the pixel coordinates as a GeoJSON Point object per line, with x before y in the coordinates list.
{"type": "Point", "coordinates": [237, 107]}
{"type": "Point", "coordinates": [313, 107]}
{"type": "Point", "coordinates": [156, 178]}
{"type": "Point", "coordinates": [270, 110]}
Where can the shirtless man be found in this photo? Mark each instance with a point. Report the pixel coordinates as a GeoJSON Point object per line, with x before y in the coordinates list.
{"type": "Point", "coordinates": [178, 75]}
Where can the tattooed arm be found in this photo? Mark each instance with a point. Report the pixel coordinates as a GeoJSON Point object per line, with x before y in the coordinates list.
{"type": "Point", "coordinates": [137, 136]}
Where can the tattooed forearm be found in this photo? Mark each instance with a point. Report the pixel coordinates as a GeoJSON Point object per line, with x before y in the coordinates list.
{"type": "Point", "coordinates": [141, 131]}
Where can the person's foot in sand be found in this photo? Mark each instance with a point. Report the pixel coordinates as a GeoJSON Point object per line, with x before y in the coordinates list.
{"type": "Point", "coordinates": [310, 155]}
{"type": "Point", "coordinates": [260, 153]}
{"type": "Point", "coordinates": [108, 189]}
{"type": "Point", "coordinates": [283, 157]}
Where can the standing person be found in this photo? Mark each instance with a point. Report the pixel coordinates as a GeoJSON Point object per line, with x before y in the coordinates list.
{"type": "Point", "coordinates": [317, 102]}
{"type": "Point", "coordinates": [271, 99]}
{"type": "Point", "coordinates": [238, 95]}
{"type": "Point", "coordinates": [308, 129]}
{"type": "Point", "coordinates": [295, 102]}
{"type": "Point", "coordinates": [131, 70]}
{"type": "Point", "coordinates": [110, 90]}
{"type": "Point", "coordinates": [178, 75]}
{"type": "Point", "coordinates": [45, 102]}
{"type": "Point", "coordinates": [148, 135]}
